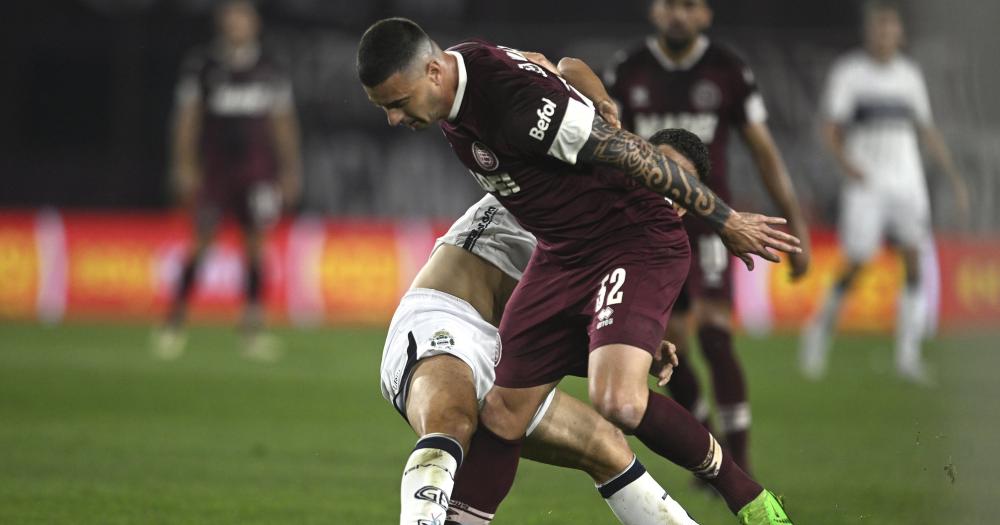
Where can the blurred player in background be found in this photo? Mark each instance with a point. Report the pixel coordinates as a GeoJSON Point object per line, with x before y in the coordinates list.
{"type": "Point", "coordinates": [235, 150]}
{"type": "Point", "coordinates": [680, 78]}
{"type": "Point", "coordinates": [875, 107]}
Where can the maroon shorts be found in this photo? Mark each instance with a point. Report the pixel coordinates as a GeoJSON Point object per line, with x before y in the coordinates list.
{"type": "Point", "coordinates": [256, 204]}
{"type": "Point", "coordinates": [559, 313]}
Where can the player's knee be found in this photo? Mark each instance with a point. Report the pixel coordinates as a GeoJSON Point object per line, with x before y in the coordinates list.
{"type": "Point", "coordinates": [499, 415]}
{"type": "Point", "coordinates": [458, 422]}
{"type": "Point", "coordinates": [622, 408]}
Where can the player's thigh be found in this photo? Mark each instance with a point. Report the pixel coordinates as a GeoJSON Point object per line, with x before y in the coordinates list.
{"type": "Point", "coordinates": [571, 434]}
{"type": "Point", "coordinates": [508, 412]}
{"type": "Point", "coordinates": [442, 397]}
{"type": "Point", "coordinates": [862, 221]}
{"type": "Point", "coordinates": [716, 312]}
{"type": "Point", "coordinates": [909, 226]}
{"type": "Point", "coordinates": [618, 386]}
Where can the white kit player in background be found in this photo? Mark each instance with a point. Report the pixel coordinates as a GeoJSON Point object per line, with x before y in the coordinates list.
{"type": "Point", "coordinates": [875, 108]}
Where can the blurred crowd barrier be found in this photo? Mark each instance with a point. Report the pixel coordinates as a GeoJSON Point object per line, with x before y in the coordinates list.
{"type": "Point", "coordinates": [121, 267]}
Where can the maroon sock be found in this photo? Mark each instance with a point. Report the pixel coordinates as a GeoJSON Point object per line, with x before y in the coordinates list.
{"type": "Point", "coordinates": [672, 432]}
{"type": "Point", "coordinates": [730, 387]}
{"type": "Point", "coordinates": [685, 388]}
{"type": "Point", "coordinates": [487, 471]}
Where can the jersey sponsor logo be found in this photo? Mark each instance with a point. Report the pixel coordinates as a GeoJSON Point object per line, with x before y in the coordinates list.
{"type": "Point", "coordinates": [484, 156]}
{"type": "Point", "coordinates": [496, 183]}
{"type": "Point", "coordinates": [544, 119]}
{"type": "Point", "coordinates": [701, 124]}
{"type": "Point", "coordinates": [706, 96]}
{"type": "Point", "coordinates": [240, 100]}
{"type": "Point", "coordinates": [442, 340]}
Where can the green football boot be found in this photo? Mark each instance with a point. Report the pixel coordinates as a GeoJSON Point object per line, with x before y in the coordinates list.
{"type": "Point", "coordinates": [765, 509]}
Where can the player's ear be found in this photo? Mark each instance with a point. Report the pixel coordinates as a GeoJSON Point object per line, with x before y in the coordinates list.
{"type": "Point", "coordinates": [435, 71]}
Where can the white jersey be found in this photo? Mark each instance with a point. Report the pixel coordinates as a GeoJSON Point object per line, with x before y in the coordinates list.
{"type": "Point", "coordinates": [488, 230]}
{"type": "Point", "coordinates": [879, 106]}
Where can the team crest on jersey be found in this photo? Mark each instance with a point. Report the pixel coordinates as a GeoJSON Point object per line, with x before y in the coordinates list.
{"type": "Point", "coordinates": [639, 96]}
{"type": "Point", "coordinates": [484, 156]}
{"type": "Point", "coordinates": [706, 96]}
{"type": "Point", "coordinates": [442, 340]}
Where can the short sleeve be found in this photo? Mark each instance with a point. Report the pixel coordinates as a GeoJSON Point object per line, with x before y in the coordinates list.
{"type": "Point", "coordinates": [921, 101]}
{"type": "Point", "coordinates": [749, 108]}
{"type": "Point", "coordinates": [837, 100]}
{"type": "Point", "coordinates": [542, 115]}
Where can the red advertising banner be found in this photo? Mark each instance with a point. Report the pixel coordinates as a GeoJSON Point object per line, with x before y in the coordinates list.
{"type": "Point", "coordinates": [124, 266]}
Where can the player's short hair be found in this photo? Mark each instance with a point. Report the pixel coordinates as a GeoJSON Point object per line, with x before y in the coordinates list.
{"type": "Point", "coordinates": [687, 144]}
{"type": "Point", "coordinates": [870, 7]}
{"type": "Point", "coordinates": [387, 47]}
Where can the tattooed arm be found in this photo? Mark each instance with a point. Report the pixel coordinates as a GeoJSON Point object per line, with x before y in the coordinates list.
{"type": "Point", "coordinates": [743, 233]}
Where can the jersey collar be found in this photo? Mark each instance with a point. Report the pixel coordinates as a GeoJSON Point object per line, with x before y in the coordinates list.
{"type": "Point", "coordinates": [463, 79]}
{"type": "Point", "coordinates": [700, 45]}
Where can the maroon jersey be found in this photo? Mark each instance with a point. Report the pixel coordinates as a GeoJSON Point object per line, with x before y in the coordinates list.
{"type": "Point", "coordinates": [237, 105]}
{"type": "Point", "coordinates": [708, 94]}
{"type": "Point", "coordinates": [518, 129]}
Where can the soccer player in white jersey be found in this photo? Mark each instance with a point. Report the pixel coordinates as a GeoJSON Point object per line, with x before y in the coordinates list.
{"type": "Point", "coordinates": [875, 109]}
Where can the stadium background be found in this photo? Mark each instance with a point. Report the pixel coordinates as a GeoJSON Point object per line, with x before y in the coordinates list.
{"type": "Point", "coordinates": [93, 430]}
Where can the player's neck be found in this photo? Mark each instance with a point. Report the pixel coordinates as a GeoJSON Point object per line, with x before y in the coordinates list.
{"type": "Point", "coordinates": [678, 55]}
{"type": "Point", "coordinates": [879, 56]}
{"type": "Point", "coordinates": [239, 54]}
{"type": "Point", "coordinates": [450, 81]}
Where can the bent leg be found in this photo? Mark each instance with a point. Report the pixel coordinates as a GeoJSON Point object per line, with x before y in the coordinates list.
{"type": "Point", "coordinates": [570, 434]}
{"type": "Point", "coordinates": [441, 407]}
{"type": "Point", "coordinates": [729, 383]}
{"type": "Point", "coordinates": [619, 393]}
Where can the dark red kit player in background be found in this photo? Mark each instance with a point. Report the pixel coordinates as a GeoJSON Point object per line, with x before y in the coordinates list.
{"type": "Point", "coordinates": [236, 151]}
{"type": "Point", "coordinates": [680, 78]}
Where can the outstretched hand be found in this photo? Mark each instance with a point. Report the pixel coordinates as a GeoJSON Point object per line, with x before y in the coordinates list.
{"type": "Point", "coordinates": [746, 234]}
{"type": "Point", "coordinates": [664, 361]}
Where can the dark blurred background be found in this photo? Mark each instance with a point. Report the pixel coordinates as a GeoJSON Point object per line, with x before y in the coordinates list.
{"type": "Point", "coordinates": [87, 86]}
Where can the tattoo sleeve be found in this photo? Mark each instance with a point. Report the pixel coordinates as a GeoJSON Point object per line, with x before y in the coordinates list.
{"type": "Point", "coordinates": [640, 160]}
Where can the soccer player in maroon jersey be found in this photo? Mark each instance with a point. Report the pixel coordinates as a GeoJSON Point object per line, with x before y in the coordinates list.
{"type": "Point", "coordinates": [236, 149]}
{"type": "Point", "coordinates": [611, 255]}
{"type": "Point", "coordinates": [680, 78]}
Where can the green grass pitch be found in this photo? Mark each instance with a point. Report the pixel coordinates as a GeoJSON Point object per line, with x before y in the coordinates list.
{"type": "Point", "coordinates": [93, 430]}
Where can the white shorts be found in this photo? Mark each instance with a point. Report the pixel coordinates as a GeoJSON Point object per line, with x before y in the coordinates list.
{"type": "Point", "coordinates": [429, 323]}
{"type": "Point", "coordinates": [870, 213]}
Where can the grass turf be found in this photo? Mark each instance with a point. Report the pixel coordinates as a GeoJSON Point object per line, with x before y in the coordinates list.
{"type": "Point", "coordinates": [93, 430]}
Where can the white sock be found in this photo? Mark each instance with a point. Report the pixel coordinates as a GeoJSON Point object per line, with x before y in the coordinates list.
{"type": "Point", "coordinates": [428, 479]}
{"type": "Point", "coordinates": [827, 317]}
{"type": "Point", "coordinates": [910, 318]}
{"type": "Point", "coordinates": [734, 418]}
{"type": "Point", "coordinates": [637, 499]}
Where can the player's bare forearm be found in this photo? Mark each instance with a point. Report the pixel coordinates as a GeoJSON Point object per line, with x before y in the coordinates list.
{"type": "Point", "coordinates": [833, 139]}
{"type": "Point", "coordinates": [286, 142]}
{"type": "Point", "coordinates": [611, 146]}
{"type": "Point", "coordinates": [583, 78]}
{"type": "Point", "coordinates": [775, 175]}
